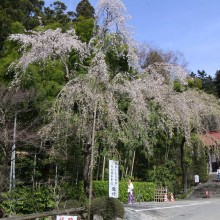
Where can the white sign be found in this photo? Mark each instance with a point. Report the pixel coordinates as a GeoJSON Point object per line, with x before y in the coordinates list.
{"type": "Point", "coordinates": [66, 217]}
{"type": "Point", "coordinates": [196, 178]}
{"type": "Point", "coordinates": [113, 178]}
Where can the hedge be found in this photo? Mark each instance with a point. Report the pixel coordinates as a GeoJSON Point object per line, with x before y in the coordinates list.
{"type": "Point", "coordinates": [142, 190]}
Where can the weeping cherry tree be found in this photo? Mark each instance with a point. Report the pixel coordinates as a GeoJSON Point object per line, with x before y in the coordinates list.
{"type": "Point", "coordinates": [93, 100]}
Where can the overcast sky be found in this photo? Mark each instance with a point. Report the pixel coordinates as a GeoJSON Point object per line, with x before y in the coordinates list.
{"type": "Point", "coordinates": [188, 26]}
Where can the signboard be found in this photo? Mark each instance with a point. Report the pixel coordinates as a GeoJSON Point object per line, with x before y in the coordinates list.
{"type": "Point", "coordinates": [66, 217]}
{"type": "Point", "coordinates": [196, 178]}
{"type": "Point", "coordinates": [113, 178]}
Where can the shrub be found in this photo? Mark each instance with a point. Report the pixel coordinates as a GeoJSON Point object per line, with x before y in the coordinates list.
{"type": "Point", "coordinates": [108, 208]}
{"type": "Point", "coordinates": [70, 204]}
{"type": "Point", "coordinates": [27, 201]}
{"type": "Point", "coordinates": [100, 188]}
{"type": "Point", "coordinates": [74, 192]}
{"type": "Point", "coordinates": [178, 87]}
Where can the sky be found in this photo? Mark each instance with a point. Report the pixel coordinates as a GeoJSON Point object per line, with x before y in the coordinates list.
{"type": "Point", "coordinates": [191, 27]}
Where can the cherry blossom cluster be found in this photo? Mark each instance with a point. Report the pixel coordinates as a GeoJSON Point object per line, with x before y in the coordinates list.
{"type": "Point", "coordinates": [112, 17]}
{"type": "Point", "coordinates": [39, 46]}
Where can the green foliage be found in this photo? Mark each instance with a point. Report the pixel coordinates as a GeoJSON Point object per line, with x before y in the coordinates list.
{"type": "Point", "coordinates": [178, 86]}
{"type": "Point", "coordinates": [123, 102]}
{"type": "Point", "coordinates": [146, 189]}
{"type": "Point", "coordinates": [52, 26]}
{"type": "Point", "coordinates": [47, 80]}
{"type": "Point", "coordinates": [84, 28]}
{"type": "Point", "coordinates": [100, 188]}
{"type": "Point", "coordinates": [108, 208]}
{"type": "Point", "coordinates": [201, 167]}
{"type": "Point", "coordinates": [17, 28]}
{"type": "Point", "coordinates": [23, 11]}
{"type": "Point", "coordinates": [217, 83]}
{"type": "Point", "coordinates": [57, 13]}
{"type": "Point", "coordinates": [85, 9]}
{"type": "Point", "coordinates": [8, 55]}
{"type": "Point", "coordinates": [27, 201]}
{"type": "Point", "coordinates": [199, 160]}
{"type": "Point", "coordinates": [68, 145]}
{"type": "Point", "coordinates": [195, 83]}
{"type": "Point", "coordinates": [207, 82]}
{"type": "Point", "coordinates": [164, 175]}
{"type": "Point", "coordinates": [116, 63]}
{"type": "Point", "coordinates": [70, 204]}
{"type": "Point", "coordinates": [74, 192]}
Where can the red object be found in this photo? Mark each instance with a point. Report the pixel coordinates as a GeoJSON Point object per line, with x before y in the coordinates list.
{"type": "Point", "coordinates": [165, 198]}
{"type": "Point", "coordinates": [206, 193]}
{"type": "Point", "coordinates": [172, 197]}
{"type": "Point", "coordinates": [211, 138]}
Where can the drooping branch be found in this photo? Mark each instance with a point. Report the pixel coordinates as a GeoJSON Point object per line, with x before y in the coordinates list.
{"type": "Point", "coordinates": [39, 46]}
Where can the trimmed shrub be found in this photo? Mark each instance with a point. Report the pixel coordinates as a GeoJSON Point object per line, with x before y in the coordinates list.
{"type": "Point", "coordinates": [143, 190]}
{"type": "Point", "coordinates": [108, 208]}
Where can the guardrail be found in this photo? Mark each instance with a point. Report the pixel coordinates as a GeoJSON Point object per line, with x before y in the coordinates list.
{"type": "Point", "coordinates": [77, 211]}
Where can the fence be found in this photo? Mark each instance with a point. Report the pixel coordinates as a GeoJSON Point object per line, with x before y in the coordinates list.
{"type": "Point", "coordinates": [78, 211]}
{"type": "Point", "coordinates": [160, 195]}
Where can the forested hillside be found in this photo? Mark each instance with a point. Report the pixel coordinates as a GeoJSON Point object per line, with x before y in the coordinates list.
{"type": "Point", "coordinates": [76, 90]}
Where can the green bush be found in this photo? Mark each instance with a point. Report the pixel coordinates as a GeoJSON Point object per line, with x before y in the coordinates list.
{"type": "Point", "coordinates": [178, 86]}
{"type": "Point", "coordinates": [27, 201]}
{"type": "Point", "coordinates": [165, 175]}
{"type": "Point", "coordinates": [108, 208]}
{"type": "Point", "coordinates": [100, 188]}
{"type": "Point", "coordinates": [74, 192]}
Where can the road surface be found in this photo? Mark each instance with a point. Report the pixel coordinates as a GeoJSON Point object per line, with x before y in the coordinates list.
{"type": "Point", "coordinates": [200, 209]}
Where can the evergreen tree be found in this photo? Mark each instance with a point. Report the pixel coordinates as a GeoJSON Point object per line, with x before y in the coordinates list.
{"type": "Point", "coordinates": [207, 82]}
{"type": "Point", "coordinates": [217, 83]}
{"type": "Point", "coordinates": [84, 22]}
{"type": "Point", "coordinates": [85, 9]}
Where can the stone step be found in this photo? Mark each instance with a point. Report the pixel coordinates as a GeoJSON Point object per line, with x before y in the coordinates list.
{"type": "Point", "coordinates": [212, 186]}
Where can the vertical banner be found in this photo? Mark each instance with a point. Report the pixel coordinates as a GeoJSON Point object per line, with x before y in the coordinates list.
{"type": "Point", "coordinates": [113, 178]}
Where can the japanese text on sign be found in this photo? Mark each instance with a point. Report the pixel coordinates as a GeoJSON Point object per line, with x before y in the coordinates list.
{"type": "Point", "coordinates": [66, 217]}
{"type": "Point", "coordinates": [113, 178]}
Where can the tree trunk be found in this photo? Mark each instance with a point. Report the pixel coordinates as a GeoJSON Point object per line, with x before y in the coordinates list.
{"type": "Point", "coordinates": [98, 168]}
{"type": "Point", "coordinates": [12, 170]}
{"type": "Point", "coordinates": [132, 166]}
{"type": "Point", "coordinates": [87, 155]}
{"type": "Point", "coordinates": [6, 162]}
{"type": "Point", "coordinates": [126, 172]}
{"type": "Point", "coordinates": [34, 171]}
{"type": "Point", "coordinates": [183, 165]}
{"type": "Point", "coordinates": [91, 160]}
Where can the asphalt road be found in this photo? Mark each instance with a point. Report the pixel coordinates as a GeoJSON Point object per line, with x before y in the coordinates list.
{"type": "Point", "coordinates": [201, 209]}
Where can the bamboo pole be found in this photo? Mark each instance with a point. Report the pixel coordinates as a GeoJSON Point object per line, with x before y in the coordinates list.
{"type": "Point", "coordinates": [103, 169]}
{"type": "Point", "coordinates": [12, 170]}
